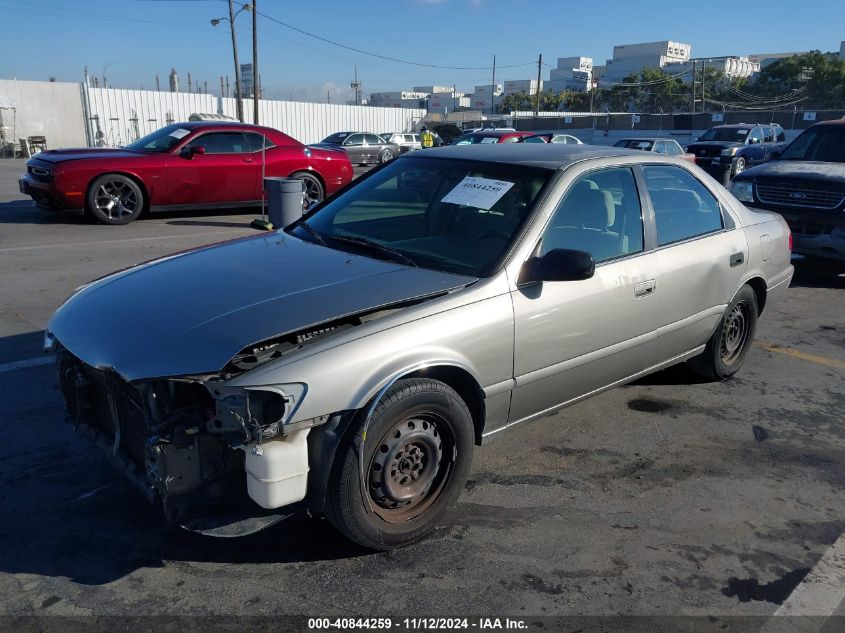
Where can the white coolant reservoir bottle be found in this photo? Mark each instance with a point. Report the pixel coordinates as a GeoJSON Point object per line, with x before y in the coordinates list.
{"type": "Point", "coordinates": [278, 475]}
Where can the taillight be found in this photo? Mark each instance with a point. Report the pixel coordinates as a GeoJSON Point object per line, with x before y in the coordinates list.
{"type": "Point", "coordinates": [790, 241]}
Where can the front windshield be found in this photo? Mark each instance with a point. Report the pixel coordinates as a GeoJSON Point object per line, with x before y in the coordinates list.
{"type": "Point", "coordinates": [730, 134]}
{"type": "Point", "coordinates": [451, 215]}
{"type": "Point", "coordinates": [161, 141]}
{"type": "Point", "coordinates": [824, 144]}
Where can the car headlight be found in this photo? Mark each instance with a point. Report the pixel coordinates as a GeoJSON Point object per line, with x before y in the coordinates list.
{"type": "Point", "coordinates": [743, 190]}
{"type": "Point", "coordinates": [731, 151]}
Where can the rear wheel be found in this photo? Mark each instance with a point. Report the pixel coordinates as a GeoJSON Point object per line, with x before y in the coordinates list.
{"type": "Point", "coordinates": [115, 199]}
{"type": "Point", "coordinates": [385, 157]}
{"type": "Point", "coordinates": [313, 188]}
{"type": "Point", "coordinates": [728, 346]}
{"type": "Point", "coordinates": [392, 482]}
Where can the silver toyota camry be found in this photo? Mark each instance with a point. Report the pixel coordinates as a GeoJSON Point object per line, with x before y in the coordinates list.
{"type": "Point", "coordinates": [348, 364]}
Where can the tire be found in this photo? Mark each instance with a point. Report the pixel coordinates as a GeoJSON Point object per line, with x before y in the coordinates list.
{"type": "Point", "coordinates": [314, 191]}
{"type": "Point", "coordinates": [115, 199]}
{"type": "Point", "coordinates": [421, 436]}
{"type": "Point", "coordinates": [728, 346]}
{"type": "Point", "coordinates": [385, 157]}
{"type": "Point", "coordinates": [739, 167]}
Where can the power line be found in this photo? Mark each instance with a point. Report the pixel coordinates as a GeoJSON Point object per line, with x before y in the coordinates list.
{"type": "Point", "coordinates": [379, 56]}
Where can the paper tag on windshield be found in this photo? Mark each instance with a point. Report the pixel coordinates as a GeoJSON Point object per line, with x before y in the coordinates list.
{"type": "Point", "coordinates": [742, 132]}
{"type": "Point", "coordinates": [180, 133]}
{"type": "Point", "coordinates": [481, 193]}
{"type": "Point", "coordinates": [489, 139]}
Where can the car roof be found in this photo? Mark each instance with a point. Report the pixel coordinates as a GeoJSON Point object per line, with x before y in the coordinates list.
{"type": "Point", "coordinates": [546, 155]}
{"type": "Point", "coordinates": [496, 133]}
{"type": "Point", "coordinates": [739, 125]}
{"type": "Point", "coordinates": [650, 139]}
{"type": "Point", "coordinates": [832, 122]}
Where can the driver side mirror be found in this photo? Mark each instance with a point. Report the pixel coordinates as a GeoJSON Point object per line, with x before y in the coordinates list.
{"type": "Point", "coordinates": [559, 264]}
{"type": "Point", "coordinates": [753, 141]}
{"type": "Point", "coordinates": [191, 150]}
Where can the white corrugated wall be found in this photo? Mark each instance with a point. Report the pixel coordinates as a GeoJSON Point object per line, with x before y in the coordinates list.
{"type": "Point", "coordinates": [312, 122]}
{"type": "Point", "coordinates": [117, 117]}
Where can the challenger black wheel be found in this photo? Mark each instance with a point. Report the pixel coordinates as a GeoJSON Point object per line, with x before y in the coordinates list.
{"type": "Point", "coordinates": [313, 189]}
{"type": "Point", "coordinates": [115, 199]}
{"type": "Point", "coordinates": [728, 346]}
{"type": "Point", "coordinates": [392, 482]}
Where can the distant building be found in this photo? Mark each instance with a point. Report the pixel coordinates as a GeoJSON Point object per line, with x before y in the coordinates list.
{"type": "Point", "coordinates": [572, 73]}
{"type": "Point", "coordinates": [398, 99]}
{"type": "Point", "coordinates": [632, 58]}
{"type": "Point", "coordinates": [516, 86]}
{"type": "Point", "coordinates": [247, 84]}
{"type": "Point", "coordinates": [448, 101]}
{"type": "Point", "coordinates": [764, 59]}
{"type": "Point", "coordinates": [432, 89]}
{"type": "Point", "coordinates": [174, 81]}
{"type": "Point", "coordinates": [731, 67]}
{"type": "Point", "coordinates": [483, 97]}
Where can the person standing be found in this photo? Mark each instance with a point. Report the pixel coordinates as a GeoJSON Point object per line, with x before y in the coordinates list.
{"type": "Point", "coordinates": [426, 138]}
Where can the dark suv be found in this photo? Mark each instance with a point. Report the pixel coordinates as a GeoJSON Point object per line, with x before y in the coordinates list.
{"type": "Point", "coordinates": [726, 150]}
{"type": "Point", "coordinates": [806, 185]}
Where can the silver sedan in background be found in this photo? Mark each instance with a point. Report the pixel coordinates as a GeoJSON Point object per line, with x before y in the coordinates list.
{"type": "Point", "coordinates": [362, 148]}
{"type": "Point", "coordinates": [349, 363]}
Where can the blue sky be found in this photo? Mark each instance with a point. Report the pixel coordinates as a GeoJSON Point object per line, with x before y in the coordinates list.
{"type": "Point", "coordinates": [138, 38]}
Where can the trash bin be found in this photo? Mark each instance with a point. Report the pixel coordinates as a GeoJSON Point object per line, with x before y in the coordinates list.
{"type": "Point", "coordinates": [284, 200]}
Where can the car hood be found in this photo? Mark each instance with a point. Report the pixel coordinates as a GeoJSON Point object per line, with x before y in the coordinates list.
{"type": "Point", "coordinates": [192, 312]}
{"type": "Point", "coordinates": [83, 153]}
{"type": "Point", "coordinates": [800, 169]}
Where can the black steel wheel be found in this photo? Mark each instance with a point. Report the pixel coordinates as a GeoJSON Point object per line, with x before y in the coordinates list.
{"type": "Point", "coordinates": [115, 199]}
{"type": "Point", "coordinates": [313, 188]}
{"type": "Point", "coordinates": [728, 346]}
{"type": "Point", "coordinates": [393, 480]}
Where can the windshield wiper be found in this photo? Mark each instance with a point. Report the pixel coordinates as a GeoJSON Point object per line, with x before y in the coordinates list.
{"type": "Point", "coordinates": [375, 246]}
{"type": "Point", "coordinates": [313, 233]}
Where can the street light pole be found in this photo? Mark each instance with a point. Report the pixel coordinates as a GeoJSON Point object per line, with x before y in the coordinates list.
{"type": "Point", "coordinates": [240, 103]}
{"type": "Point", "coordinates": [255, 89]}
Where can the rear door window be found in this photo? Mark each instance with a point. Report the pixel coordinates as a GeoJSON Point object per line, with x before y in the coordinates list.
{"type": "Point", "coordinates": [768, 135]}
{"type": "Point", "coordinates": [372, 139]}
{"type": "Point", "coordinates": [683, 207]}
{"type": "Point", "coordinates": [222, 143]}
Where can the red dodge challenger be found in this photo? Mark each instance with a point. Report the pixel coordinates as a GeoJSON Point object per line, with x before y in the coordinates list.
{"type": "Point", "coordinates": [198, 165]}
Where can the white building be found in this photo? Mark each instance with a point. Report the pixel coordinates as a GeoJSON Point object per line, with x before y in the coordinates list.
{"type": "Point", "coordinates": [731, 67]}
{"type": "Point", "coordinates": [515, 86]}
{"type": "Point", "coordinates": [448, 101]}
{"type": "Point", "coordinates": [482, 97]}
{"type": "Point", "coordinates": [632, 58]}
{"type": "Point", "coordinates": [764, 59]}
{"type": "Point", "coordinates": [398, 99]}
{"type": "Point", "coordinates": [432, 89]}
{"type": "Point", "coordinates": [572, 73]}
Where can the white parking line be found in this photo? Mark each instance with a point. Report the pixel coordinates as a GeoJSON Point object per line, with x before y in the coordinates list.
{"type": "Point", "coordinates": [123, 241]}
{"type": "Point", "coordinates": [823, 589]}
{"type": "Point", "coordinates": [24, 364]}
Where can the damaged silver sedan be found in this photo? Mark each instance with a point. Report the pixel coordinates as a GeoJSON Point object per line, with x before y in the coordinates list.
{"type": "Point", "coordinates": [348, 364]}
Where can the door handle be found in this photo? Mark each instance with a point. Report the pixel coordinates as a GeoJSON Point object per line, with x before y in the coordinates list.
{"type": "Point", "coordinates": [645, 288]}
{"type": "Point", "coordinates": [737, 259]}
{"type": "Point", "coordinates": [249, 160]}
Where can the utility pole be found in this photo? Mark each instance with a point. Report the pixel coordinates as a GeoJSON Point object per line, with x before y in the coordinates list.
{"type": "Point", "coordinates": [240, 103]}
{"type": "Point", "coordinates": [356, 86]}
{"type": "Point", "coordinates": [255, 90]}
{"type": "Point", "coordinates": [328, 96]}
{"type": "Point", "coordinates": [493, 89]}
{"type": "Point", "coordinates": [703, 77]}
{"type": "Point", "coordinates": [222, 94]}
{"type": "Point", "coordinates": [158, 86]}
{"type": "Point", "coordinates": [539, 72]}
{"type": "Point", "coordinates": [190, 85]}
{"type": "Point", "coordinates": [227, 85]}
{"type": "Point", "coordinates": [692, 104]}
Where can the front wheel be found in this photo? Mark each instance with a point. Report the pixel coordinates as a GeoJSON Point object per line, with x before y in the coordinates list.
{"type": "Point", "coordinates": [392, 481]}
{"type": "Point", "coordinates": [728, 346]}
{"type": "Point", "coordinates": [385, 157]}
{"type": "Point", "coordinates": [115, 199]}
{"type": "Point", "coordinates": [739, 167]}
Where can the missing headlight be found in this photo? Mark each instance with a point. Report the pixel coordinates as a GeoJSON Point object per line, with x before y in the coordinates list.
{"type": "Point", "coordinates": [268, 409]}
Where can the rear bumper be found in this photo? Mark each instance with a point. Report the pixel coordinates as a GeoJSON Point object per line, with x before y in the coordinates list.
{"type": "Point", "coordinates": [818, 235]}
{"type": "Point", "coordinates": [47, 196]}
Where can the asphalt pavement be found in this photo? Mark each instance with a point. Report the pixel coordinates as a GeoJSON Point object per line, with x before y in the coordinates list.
{"type": "Point", "coordinates": [669, 496]}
